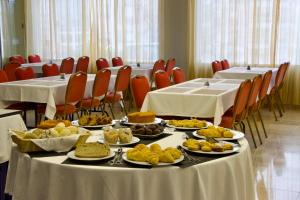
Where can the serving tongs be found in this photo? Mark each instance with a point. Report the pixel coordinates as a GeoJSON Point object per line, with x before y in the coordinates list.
{"type": "Point", "coordinates": [117, 159]}
{"type": "Point", "coordinates": [186, 155]}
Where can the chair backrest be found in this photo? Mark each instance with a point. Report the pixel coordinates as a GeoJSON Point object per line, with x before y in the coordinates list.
{"type": "Point", "coordinates": [10, 69]}
{"type": "Point", "coordinates": [178, 75]}
{"type": "Point", "coordinates": [123, 79]}
{"type": "Point", "coordinates": [255, 90]}
{"type": "Point", "coordinates": [241, 98]}
{"type": "Point", "coordinates": [3, 76]}
{"type": "Point", "coordinates": [102, 63]}
{"type": "Point", "coordinates": [225, 64]}
{"type": "Point", "coordinates": [170, 65]}
{"type": "Point", "coordinates": [24, 73]}
{"type": "Point", "coordinates": [139, 89]}
{"type": "Point", "coordinates": [117, 61]}
{"type": "Point", "coordinates": [82, 64]}
{"type": "Point", "coordinates": [67, 65]}
{"type": "Point", "coordinates": [34, 58]}
{"type": "Point", "coordinates": [280, 76]}
{"type": "Point", "coordinates": [216, 66]}
{"type": "Point", "coordinates": [76, 87]}
{"type": "Point", "coordinates": [50, 70]}
{"type": "Point", "coordinates": [101, 82]}
{"type": "Point", "coordinates": [265, 85]}
{"type": "Point", "coordinates": [161, 79]}
{"type": "Point", "coordinates": [17, 58]}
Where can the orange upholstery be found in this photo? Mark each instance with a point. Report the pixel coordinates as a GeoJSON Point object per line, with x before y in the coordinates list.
{"type": "Point", "coordinates": [10, 69]}
{"type": "Point", "coordinates": [102, 63]}
{"type": "Point", "coordinates": [265, 85]}
{"type": "Point", "coordinates": [255, 90]}
{"type": "Point", "coordinates": [3, 76]}
{"type": "Point", "coordinates": [82, 64]}
{"type": "Point", "coordinates": [117, 61]}
{"type": "Point", "coordinates": [170, 65]}
{"type": "Point", "coordinates": [50, 70]}
{"type": "Point", "coordinates": [24, 73]}
{"type": "Point", "coordinates": [139, 87]}
{"type": "Point", "coordinates": [67, 65]}
{"type": "Point", "coordinates": [225, 64]}
{"type": "Point", "coordinates": [162, 79]}
{"type": "Point", "coordinates": [18, 59]}
{"type": "Point", "coordinates": [34, 58]}
{"type": "Point", "coordinates": [216, 66]}
{"type": "Point", "coordinates": [158, 65]}
{"type": "Point", "coordinates": [178, 75]}
{"type": "Point", "coordinates": [67, 109]}
{"type": "Point", "coordinates": [90, 103]}
{"type": "Point", "coordinates": [112, 98]}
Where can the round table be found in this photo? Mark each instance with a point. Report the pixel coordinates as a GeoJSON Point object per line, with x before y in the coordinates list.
{"type": "Point", "coordinates": [229, 177]}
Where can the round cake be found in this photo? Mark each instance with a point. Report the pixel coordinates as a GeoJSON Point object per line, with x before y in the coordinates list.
{"type": "Point", "coordinates": [141, 117]}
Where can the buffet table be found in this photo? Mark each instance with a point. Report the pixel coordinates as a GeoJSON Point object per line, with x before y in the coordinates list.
{"type": "Point", "coordinates": [49, 90]}
{"type": "Point", "coordinates": [50, 178]}
{"type": "Point", "coordinates": [193, 98]}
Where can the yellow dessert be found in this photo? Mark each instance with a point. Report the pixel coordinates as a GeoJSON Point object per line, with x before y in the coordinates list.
{"type": "Point", "coordinates": [215, 132]}
{"type": "Point", "coordinates": [141, 117]}
{"type": "Point", "coordinates": [92, 150]}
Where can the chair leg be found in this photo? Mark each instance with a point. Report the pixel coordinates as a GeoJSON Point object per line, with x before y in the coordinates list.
{"type": "Point", "coordinates": [111, 109]}
{"type": "Point", "coordinates": [247, 119]}
{"type": "Point", "coordinates": [277, 106]}
{"type": "Point", "coordinates": [280, 101]}
{"type": "Point", "coordinates": [271, 106]}
{"type": "Point", "coordinates": [124, 109]}
{"type": "Point", "coordinates": [255, 124]}
{"type": "Point", "coordinates": [262, 123]}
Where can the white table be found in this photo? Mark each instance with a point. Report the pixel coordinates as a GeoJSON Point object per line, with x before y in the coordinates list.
{"type": "Point", "coordinates": [38, 67]}
{"type": "Point", "coordinates": [46, 178]}
{"type": "Point", "coordinates": [193, 99]}
{"type": "Point", "coordinates": [144, 69]}
{"type": "Point", "coordinates": [49, 90]}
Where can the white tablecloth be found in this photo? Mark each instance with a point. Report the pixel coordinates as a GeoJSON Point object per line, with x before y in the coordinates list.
{"type": "Point", "coordinates": [46, 178]}
{"type": "Point", "coordinates": [145, 70]}
{"type": "Point", "coordinates": [14, 122]}
{"type": "Point", "coordinates": [49, 90]}
{"type": "Point", "coordinates": [193, 99]}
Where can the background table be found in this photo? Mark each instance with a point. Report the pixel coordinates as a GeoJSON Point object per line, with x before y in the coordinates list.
{"type": "Point", "coordinates": [193, 99]}
{"type": "Point", "coordinates": [46, 178]}
{"type": "Point", "coordinates": [144, 69]}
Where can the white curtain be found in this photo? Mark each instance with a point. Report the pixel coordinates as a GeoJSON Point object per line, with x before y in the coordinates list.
{"type": "Point", "coordinates": [96, 28]}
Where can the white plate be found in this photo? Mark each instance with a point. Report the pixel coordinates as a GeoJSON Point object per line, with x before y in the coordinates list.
{"type": "Point", "coordinates": [75, 123]}
{"type": "Point", "coordinates": [125, 122]}
{"type": "Point", "coordinates": [235, 149]}
{"type": "Point", "coordinates": [133, 141]}
{"type": "Point", "coordinates": [71, 155]}
{"type": "Point", "coordinates": [124, 156]}
{"type": "Point", "coordinates": [236, 135]}
{"type": "Point", "coordinates": [188, 128]}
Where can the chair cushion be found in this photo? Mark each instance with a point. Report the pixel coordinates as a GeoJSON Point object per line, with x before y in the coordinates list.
{"type": "Point", "coordinates": [90, 103]}
{"type": "Point", "coordinates": [227, 121]}
{"type": "Point", "coordinates": [65, 109]}
{"type": "Point", "coordinates": [110, 97]}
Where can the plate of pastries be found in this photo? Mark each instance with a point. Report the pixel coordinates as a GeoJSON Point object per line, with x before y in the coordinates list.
{"type": "Point", "coordinates": [144, 118]}
{"type": "Point", "coordinates": [147, 131]}
{"type": "Point", "coordinates": [219, 133]}
{"type": "Point", "coordinates": [94, 121]}
{"type": "Point", "coordinates": [154, 155]}
{"type": "Point", "coordinates": [208, 147]}
{"type": "Point", "coordinates": [92, 151]}
{"type": "Point", "coordinates": [118, 136]}
{"type": "Point", "coordinates": [188, 124]}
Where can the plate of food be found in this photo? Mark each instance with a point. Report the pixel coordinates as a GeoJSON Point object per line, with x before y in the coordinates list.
{"type": "Point", "coordinates": [188, 124]}
{"type": "Point", "coordinates": [205, 147]}
{"type": "Point", "coordinates": [93, 151]}
{"type": "Point", "coordinates": [219, 133]}
{"type": "Point", "coordinates": [144, 118]}
{"type": "Point", "coordinates": [153, 155]}
{"type": "Point", "coordinates": [147, 131]}
{"type": "Point", "coordinates": [118, 136]}
{"type": "Point", "coordinates": [94, 121]}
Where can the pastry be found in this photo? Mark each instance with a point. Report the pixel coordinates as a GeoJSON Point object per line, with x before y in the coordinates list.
{"type": "Point", "coordinates": [92, 150]}
{"type": "Point", "coordinates": [52, 123]}
{"type": "Point", "coordinates": [111, 136]}
{"type": "Point", "coordinates": [141, 117]}
{"type": "Point", "coordinates": [125, 135]}
{"type": "Point", "coordinates": [188, 123]}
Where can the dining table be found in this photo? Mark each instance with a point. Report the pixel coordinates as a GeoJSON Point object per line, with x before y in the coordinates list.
{"type": "Point", "coordinates": [137, 69]}
{"type": "Point", "coordinates": [201, 97]}
{"type": "Point", "coordinates": [49, 90]}
{"type": "Point", "coordinates": [53, 176]}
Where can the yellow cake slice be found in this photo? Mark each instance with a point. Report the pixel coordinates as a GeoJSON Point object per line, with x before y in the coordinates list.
{"type": "Point", "coordinates": [141, 117]}
{"type": "Point", "coordinates": [92, 150]}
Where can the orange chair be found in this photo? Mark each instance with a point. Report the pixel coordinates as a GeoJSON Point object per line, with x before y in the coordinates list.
{"type": "Point", "coordinates": [117, 61]}
{"type": "Point", "coordinates": [162, 79]}
{"type": "Point", "coordinates": [10, 69]}
{"type": "Point", "coordinates": [100, 88]}
{"type": "Point", "coordinates": [24, 73]}
{"type": "Point", "coordinates": [139, 89]}
{"type": "Point", "coordinates": [121, 85]}
{"type": "Point", "coordinates": [74, 95]}
{"type": "Point", "coordinates": [67, 65]}
{"type": "Point", "coordinates": [102, 63]}
{"type": "Point", "coordinates": [82, 64]}
{"type": "Point", "coordinates": [18, 59]}
{"type": "Point", "coordinates": [158, 65]}
{"type": "Point", "coordinates": [178, 75]}
{"type": "Point", "coordinates": [170, 65]}
{"type": "Point", "coordinates": [3, 76]}
{"type": "Point", "coordinates": [225, 64]}
{"type": "Point", "coordinates": [50, 70]}
{"type": "Point", "coordinates": [34, 58]}
{"type": "Point", "coordinates": [216, 66]}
